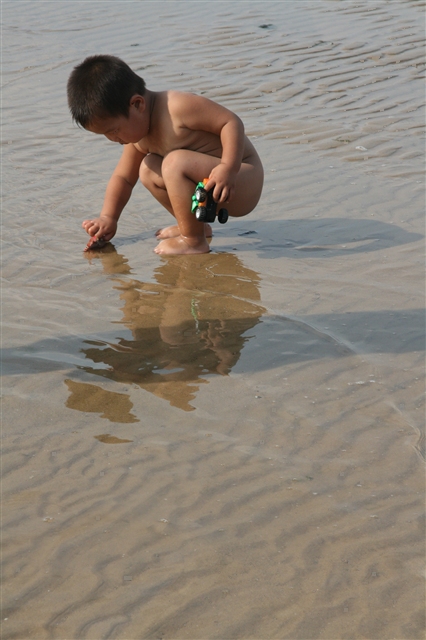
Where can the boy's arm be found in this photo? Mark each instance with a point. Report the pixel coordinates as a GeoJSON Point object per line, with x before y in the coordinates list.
{"type": "Point", "coordinates": [118, 192]}
{"type": "Point", "coordinates": [200, 114]}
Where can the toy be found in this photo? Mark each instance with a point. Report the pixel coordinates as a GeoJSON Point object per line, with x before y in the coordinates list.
{"type": "Point", "coordinates": [204, 207]}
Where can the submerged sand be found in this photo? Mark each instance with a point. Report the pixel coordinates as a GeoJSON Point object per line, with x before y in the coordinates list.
{"type": "Point", "coordinates": [227, 445]}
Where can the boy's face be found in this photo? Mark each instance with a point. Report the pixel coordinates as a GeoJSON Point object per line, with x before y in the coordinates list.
{"type": "Point", "coordinates": [121, 129]}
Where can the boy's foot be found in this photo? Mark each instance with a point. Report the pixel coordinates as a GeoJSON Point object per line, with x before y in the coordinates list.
{"type": "Point", "coordinates": [179, 246]}
{"type": "Point", "coordinates": [173, 232]}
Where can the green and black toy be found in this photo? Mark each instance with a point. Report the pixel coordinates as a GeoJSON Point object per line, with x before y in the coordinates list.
{"type": "Point", "coordinates": [204, 207]}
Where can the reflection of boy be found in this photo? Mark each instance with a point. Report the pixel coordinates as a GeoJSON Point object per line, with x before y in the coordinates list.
{"type": "Point", "coordinates": [172, 140]}
{"type": "Point", "coordinates": [196, 325]}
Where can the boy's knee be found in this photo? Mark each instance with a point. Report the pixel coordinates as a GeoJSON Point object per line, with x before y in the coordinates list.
{"type": "Point", "coordinates": [173, 162]}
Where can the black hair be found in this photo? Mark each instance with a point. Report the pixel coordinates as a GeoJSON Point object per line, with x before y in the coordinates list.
{"type": "Point", "coordinates": [102, 86]}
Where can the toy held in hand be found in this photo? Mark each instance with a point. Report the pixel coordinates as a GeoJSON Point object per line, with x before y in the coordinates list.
{"type": "Point", "coordinates": [204, 207]}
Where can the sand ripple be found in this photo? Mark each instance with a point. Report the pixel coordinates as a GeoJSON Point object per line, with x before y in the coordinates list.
{"type": "Point", "coordinates": [229, 446]}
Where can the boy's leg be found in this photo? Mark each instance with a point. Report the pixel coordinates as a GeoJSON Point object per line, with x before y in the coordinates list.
{"type": "Point", "coordinates": [151, 177]}
{"type": "Point", "coordinates": [181, 170]}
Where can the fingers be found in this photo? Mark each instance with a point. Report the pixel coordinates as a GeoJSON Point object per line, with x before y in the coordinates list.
{"type": "Point", "coordinates": [222, 182]}
{"type": "Point", "coordinates": [211, 183]}
{"type": "Point", "coordinates": [221, 193]}
{"type": "Point", "coordinates": [104, 228]}
{"type": "Point", "coordinates": [91, 227]}
{"type": "Point", "coordinates": [218, 193]}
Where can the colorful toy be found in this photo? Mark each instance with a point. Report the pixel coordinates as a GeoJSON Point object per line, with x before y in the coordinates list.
{"type": "Point", "coordinates": [204, 207]}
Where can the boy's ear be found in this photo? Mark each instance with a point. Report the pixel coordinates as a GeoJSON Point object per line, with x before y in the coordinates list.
{"type": "Point", "coordinates": [138, 102]}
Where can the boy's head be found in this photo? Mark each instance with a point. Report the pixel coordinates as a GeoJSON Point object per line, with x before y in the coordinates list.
{"type": "Point", "coordinates": [102, 87]}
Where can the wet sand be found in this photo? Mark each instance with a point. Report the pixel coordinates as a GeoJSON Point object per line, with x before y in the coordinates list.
{"type": "Point", "coordinates": [228, 445]}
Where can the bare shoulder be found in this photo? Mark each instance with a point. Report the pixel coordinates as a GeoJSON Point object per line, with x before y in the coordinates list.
{"type": "Point", "coordinates": [173, 104]}
{"type": "Point", "coordinates": [197, 112]}
{"type": "Point", "coordinates": [175, 97]}
{"type": "Point", "coordinates": [182, 101]}
{"type": "Point", "coordinates": [178, 101]}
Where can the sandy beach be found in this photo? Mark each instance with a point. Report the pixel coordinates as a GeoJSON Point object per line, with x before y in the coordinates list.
{"type": "Point", "coordinates": [230, 445]}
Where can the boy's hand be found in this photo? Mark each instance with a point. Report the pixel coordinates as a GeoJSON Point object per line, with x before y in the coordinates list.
{"type": "Point", "coordinates": [102, 227]}
{"type": "Point", "coordinates": [222, 180]}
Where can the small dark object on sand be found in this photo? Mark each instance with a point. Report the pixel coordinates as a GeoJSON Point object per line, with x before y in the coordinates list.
{"type": "Point", "coordinates": [95, 243]}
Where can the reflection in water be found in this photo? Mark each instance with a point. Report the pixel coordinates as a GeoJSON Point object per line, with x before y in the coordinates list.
{"type": "Point", "coordinates": [89, 397]}
{"type": "Point", "coordinates": [188, 325]}
{"type": "Point", "coordinates": [106, 438]}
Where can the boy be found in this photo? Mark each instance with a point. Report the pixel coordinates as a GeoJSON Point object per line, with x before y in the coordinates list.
{"type": "Point", "coordinates": [172, 140]}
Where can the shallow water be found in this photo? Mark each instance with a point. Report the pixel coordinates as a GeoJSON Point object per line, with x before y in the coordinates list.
{"type": "Point", "coordinates": [271, 391]}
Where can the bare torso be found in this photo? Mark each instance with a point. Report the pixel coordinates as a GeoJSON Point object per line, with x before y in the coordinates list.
{"type": "Point", "coordinates": [168, 133]}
